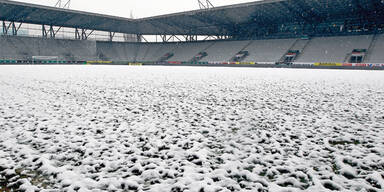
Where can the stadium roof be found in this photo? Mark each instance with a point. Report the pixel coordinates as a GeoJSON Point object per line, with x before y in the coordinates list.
{"type": "Point", "coordinates": [224, 20]}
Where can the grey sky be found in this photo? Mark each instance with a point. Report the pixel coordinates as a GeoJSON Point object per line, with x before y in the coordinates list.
{"type": "Point", "coordinates": [140, 8]}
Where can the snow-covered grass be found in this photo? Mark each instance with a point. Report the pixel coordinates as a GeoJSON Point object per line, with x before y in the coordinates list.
{"type": "Point", "coordinates": [171, 129]}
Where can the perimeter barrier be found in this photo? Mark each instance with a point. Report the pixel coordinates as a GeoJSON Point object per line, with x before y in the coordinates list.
{"type": "Point", "coordinates": [259, 64]}
{"type": "Point", "coordinates": [30, 62]}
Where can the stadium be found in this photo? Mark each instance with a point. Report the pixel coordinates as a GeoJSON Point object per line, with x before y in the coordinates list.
{"type": "Point", "coordinates": [343, 33]}
{"type": "Point", "coordinates": [250, 97]}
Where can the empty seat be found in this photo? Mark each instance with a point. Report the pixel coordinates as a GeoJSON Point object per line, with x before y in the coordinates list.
{"type": "Point", "coordinates": [333, 49]}
{"type": "Point", "coordinates": [377, 53]}
{"type": "Point", "coordinates": [223, 51]}
{"type": "Point", "coordinates": [186, 51]}
{"type": "Point", "coordinates": [268, 50]}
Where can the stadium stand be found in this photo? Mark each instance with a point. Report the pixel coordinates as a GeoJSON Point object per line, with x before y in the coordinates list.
{"type": "Point", "coordinates": [157, 50]}
{"type": "Point", "coordinates": [165, 48]}
{"type": "Point", "coordinates": [151, 51]}
{"type": "Point", "coordinates": [317, 49]}
{"type": "Point", "coordinates": [80, 50]}
{"type": "Point", "coordinates": [298, 47]}
{"type": "Point", "coordinates": [115, 51]}
{"type": "Point", "coordinates": [376, 52]}
{"type": "Point", "coordinates": [333, 49]}
{"type": "Point", "coordinates": [352, 31]}
{"type": "Point", "coordinates": [186, 51]}
{"type": "Point", "coordinates": [21, 48]}
{"type": "Point", "coordinates": [142, 51]}
{"type": "Point", "coordinates": [268, 50]}
{"type": "Point", "coordinates": [224, 51]}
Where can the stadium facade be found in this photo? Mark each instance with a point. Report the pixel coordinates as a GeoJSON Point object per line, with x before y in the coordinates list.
{"type": "Point", "coordinates": [303, 33]}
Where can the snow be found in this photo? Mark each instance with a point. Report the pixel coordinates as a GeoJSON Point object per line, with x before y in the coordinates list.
{"type": "Point", "coordinates": [191, 129]}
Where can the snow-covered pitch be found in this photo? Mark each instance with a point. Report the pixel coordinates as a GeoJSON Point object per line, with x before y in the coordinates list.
{"type": "Point", "coordinates": [191, 129]}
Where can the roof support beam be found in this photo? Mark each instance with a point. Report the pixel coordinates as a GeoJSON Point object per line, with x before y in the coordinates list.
{"type": "Point", "coordinates": [163, 38]}
{"type": "Point", "coordinates": [77, 34]}
{"type": "Point", "coordinates": [223, 37]}
{"type": "Point", "coordinates": [51, 31]}
{"type": "Point", "coordinates": [57, 30]}
{"type": "Point", "coordinates": [167, 38]}
{"type": "Point", "coordinates": [111, 35]}
{"type": "Point", "coordinates": [172, 37]}
{"type": "Point", "coordinates": [15, 29]}
{"type": "Point", "coordinates": [85, 35]}
{"type": "Point", "coordinates": [140, 38]}
{"type": "Point", "coordinates": [44, 32]}
{"type": "Point", "coordinates": [177, 38]}
{"type": "Point", "coordinates": [90, 33]}
{"type": "Point", "coordinates": [5, 29]}
{"type": "Point", "coordinates": [18, 28]}
{"type": "Point", "coordinates": [190, 38]}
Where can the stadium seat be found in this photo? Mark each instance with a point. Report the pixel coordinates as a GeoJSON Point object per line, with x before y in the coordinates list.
{"type": "Point", "coordinates": [376, 55]}
{"type": "Point", "coordinates": [333, 49]}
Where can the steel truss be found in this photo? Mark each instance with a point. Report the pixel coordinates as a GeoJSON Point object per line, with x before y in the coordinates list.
{"type": "Point", "coordinates": [111, 35]}
{"type": "Point", "coordinates": [63, 4]}
{"type": "Point", "coordinates": [205, 5]}
{"type": "Point", "coordinates": [10, 28]}
{"type": "Point", "coordinates": [49, 32]}
{"type": "Point", "coordinates": [82, 34]}
{"type": "Point", "coordinates": [141, 38]}
{"type": "Point", "coordinates": [183, 38]}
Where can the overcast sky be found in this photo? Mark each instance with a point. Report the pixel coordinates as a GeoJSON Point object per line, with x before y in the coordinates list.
{"type": "Point", "coordinates": [140, 8]}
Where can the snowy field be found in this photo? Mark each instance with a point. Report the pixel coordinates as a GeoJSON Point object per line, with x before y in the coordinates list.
{"type": "Point", "coordinates": [190, 129]}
